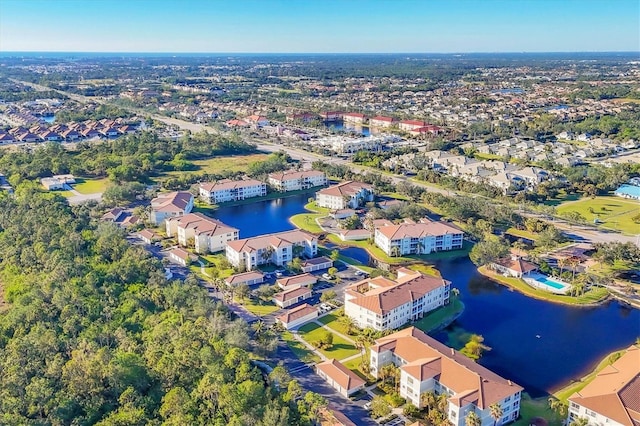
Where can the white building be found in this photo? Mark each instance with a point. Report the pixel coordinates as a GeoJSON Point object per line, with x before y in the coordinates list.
{"type": "Point", "coordinates": [383, 304]}
{"type": "Point", "coordinates": [58, 182]}
{"type": "Point", "coordinates": [343, 145]}
{"type": "Point", "coordinates": [230, 190]}
{"type": "Point", "coordinates": [296, 180]}
{"type": "Point", "coordinates": [298, 316]}
{"type": "Point", "coordinates": [287, 298]}
{"type": "Point", "coordinates": [346, 194]}
{"type": "Point", "coordinates": [206, 234]}
{"type": "Point", "coordinates": [278, 248]}
{"type": "Point", "coordinates": [612, 397]}
{"type": "Point", "coordinates": [417, 238]}
{"type": "Point", "coordinates": [428, 365]}
{"type": "Point", "coordinates": [171, 204]}
{"type": "Point", "coordinates": [382, 122]}
{"type": "Point", "coordinates": [339, 377]}
{"type": "Point", "coordinates": [354, 118]}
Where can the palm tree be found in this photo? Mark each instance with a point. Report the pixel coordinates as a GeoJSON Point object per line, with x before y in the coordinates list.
{"type": "Point", "coordinates": [267, 253]}
{"type": "Point", "coordinates": [573, 262]}
{"type": "Point", "coordinates": [349, 324]}
{"type": "Point", "coordinates": [558, 406]}
{"type": "Point", "coordinates": [420, 246]}
{"type": "Point", "coordinates": [395, 251]}
{"type": "Point", "coordinates": [580, 421]}
{"type": "Point", "coordinates": [428, 399]}
{"type": "Point", "coordinates": [472, 419]}
{"type": "Point", "coordinates": [495, 410]}
{"type": "Point", "coordinates": [561, 264]}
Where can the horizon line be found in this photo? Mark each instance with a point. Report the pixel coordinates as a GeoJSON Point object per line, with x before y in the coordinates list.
{"type": "Point", "coordinates": [4, 52]}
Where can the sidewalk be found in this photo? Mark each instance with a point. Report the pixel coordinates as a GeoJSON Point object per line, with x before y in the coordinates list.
{"type": "Point", "coordinates": [307, 345]}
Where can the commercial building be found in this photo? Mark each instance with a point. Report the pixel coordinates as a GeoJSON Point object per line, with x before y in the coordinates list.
{"type": "Point", "coordinates": [346, 194]}
{"type": "Point", "coordinates": [427, 365]}
{"type": "Point", "coordinates": [613, 397]}
{"type": "Point", "coordinates": [206, 234]}
{"type": "Point", "coordinates": [231, 190]}
{"type": "Point", "coordinates": [384, 304]}
{"type": "Point", "coordinates": [278, 248]}
{"type": "Point", "coordinates": [421, 237]}
{"type": "Point", "coordinates": [296, 180]}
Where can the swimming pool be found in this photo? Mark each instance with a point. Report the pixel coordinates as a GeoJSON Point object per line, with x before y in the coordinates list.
{"type": "Point", "coordinates": [547, 283]}
{"type": "Point", "coordinates": [628, 191]}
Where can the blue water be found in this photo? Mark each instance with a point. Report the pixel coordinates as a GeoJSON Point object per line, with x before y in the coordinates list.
{"type": "Point", "coordinates": [49, 118]}
{"type": "Point", "coordinates": [629, 190]}
{"type": "Point", "coordinates": [339, 126]}
{"type": "Point", "coordinates": [571, 339]}
{"type": "Point", "coordinates": [550, 282]}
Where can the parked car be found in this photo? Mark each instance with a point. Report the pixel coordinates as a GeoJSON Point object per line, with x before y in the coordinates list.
{"type": "Point", "coordinates": [367, 406]}
{"type": "Point", "coordinates": [325, 307]}
{"type": "Point", "coordinates": [359, 272]}
{"type": "Point", "coordinates": [327, 276]}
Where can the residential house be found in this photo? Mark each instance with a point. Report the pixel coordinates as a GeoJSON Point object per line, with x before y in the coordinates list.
{"type": "Point", "coordinates": [286, 298]}
{"type": "Point", "coordinates": [248, 278]}
{"type": "Point", "coordinates": [206, 234]}
{"type": "Point", "coordinates": [297, 281]}
{"type": "Point", "coordinates": [428, 365]}
{"type": "Point", "coordinates": [339, 377]}
{"type": "Point", "coordinates": [58, 182]}
{"type": "Point", "coordinates": [278, 248]}
{"type": "Point", "coordinates": [316, 264]}
{"type": "Point", "coordinates": [613, 396]}
{"type": "Point", "coordinates": [298, 316]}
{"type": "Point", "coordinates": [384, 304]}
{"type": "Point", "coordinates": [423, 237]}
{"type": "Point", "coordinates": [346, 194]}
{"type": "Point", "coordinates": [513, 266]}
{"type": "Point", "coordinates": [112, 215]}
{"type": "Point", "coordinates": [258, 120]}
{"type": "Point", "coordinates": [171, 204]}
{"type": "Point", "coordinates": [230, 190]}
{"type": "Point", "coordinates": [296, 180]}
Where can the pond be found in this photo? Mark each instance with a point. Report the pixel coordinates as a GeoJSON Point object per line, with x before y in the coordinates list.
{"type": "Point", "coordinates": [540, 345]}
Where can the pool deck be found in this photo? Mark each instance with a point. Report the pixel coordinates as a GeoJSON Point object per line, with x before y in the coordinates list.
{"type": "Point", "coordinates": [533, 281]}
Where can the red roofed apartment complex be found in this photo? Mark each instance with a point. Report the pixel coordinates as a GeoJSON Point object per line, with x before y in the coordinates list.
{"type": "Point", "coordinates": [613, 397]}
{"type": "Point", "coordinates": [296, 180]}
{"type": "Point", "coordinates": [423, 237]}
{"type": "Point", "coordinates": [344, 195]}
{"type": "Point", "coordinates": [382, 122]}
{"type": "Point", "coordinates": [428, 365]}
{"type": "Point", "coordinates": [384, 304]}
{"type": "Point", "coordinates": [171, 204]}
{"type": "Point", "coordinates": [275, 248]}
{"type": "Point", "coordinates": [231, 190]}
{"type": "Point", "coordinates": [409, 125]}
{"type": "Point", "coordinates": [354, 118]}
{"type": "Point", "coordinates": [208, 235]}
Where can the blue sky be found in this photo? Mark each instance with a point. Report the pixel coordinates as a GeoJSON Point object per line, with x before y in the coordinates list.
{"type": "Point", "coordinates": [320, 25]}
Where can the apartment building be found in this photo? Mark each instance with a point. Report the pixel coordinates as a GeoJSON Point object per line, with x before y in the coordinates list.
{"type": "Point", "coordinates": [171, 204]}
{"type": "Point", "coordinates": [278, 248]}
{"type": "Point", "coordinates": [384, 304]}
{"type": "Point", "coordinates": [612, 398]}
{"type": "Point", "coordinates": [344, 195]}
{"type": "Point", "coordinates": [428, 365]}
{"type": "Point", "coordinates": [231, 190]}
{"type": "Point", "coordinates": [296, 180]}
{"type": "Point", "coordinates": [421, 237]}
{"type": "Point", "coordinates": [206, 234]}
{"type": "Point", "coordinates": [354, 118]}
{"type": "Point", "coordinates": [382, 122]}
{"type": "Point", "coordinates": [344, 145]}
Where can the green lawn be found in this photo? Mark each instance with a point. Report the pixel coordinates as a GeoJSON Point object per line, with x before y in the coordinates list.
{"type": "Point", "coordinates": [234, 163]}
{"type": "Point", "coordinates": [299, 349]}
{"type": "Point", "coordinates": [562, 198]}
{"type": "Point", "coordinates": [522, 233]}
{"type": "Point", "coordinates": [539, 407]}
{"type": "Point", "coordinates": [341, 348]}
{"type": "Point", "coordinates": [425, 269]}
{"type": "Point", "coordinates": [259, 308]}
{"type": "Point", "coordinates": [564, 393]}
{"type": "Point", "coordinates": [90, 186]}
{"type": "Point", "coordinates": [613, 212]}
{"type": "Point", "coordinates": [440, 316]}
{"type": "Point", "coordinates": [217, 262]}
{"type": "Point", "coordinates": [333, 322]}
{"type": "Point", "coordinates": [595, 295]}
{"type": "Point", "coordinates": [354, 365]}
{"type": "Point", "coordinates": [307, 221]}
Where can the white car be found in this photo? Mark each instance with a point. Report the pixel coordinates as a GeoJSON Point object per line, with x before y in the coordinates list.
{"type": "Point", "coordinates": [367, 406]}
{"type": "Point", "coordinates": [325, 307]}
{"type": "Point", "coordinates": [327, 276]}
{"type": "Point", "coordinates": [359, 272]}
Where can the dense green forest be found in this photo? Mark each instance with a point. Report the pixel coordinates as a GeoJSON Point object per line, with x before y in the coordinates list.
{"type": "Point", "coordinates": [94, 334]}
{"type": "Point", "coordinates": [131, 158]}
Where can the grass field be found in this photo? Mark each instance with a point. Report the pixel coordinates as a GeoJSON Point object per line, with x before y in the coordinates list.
{"type": "Point", "coordinates": [218, 263]}
{"type": "Point", "coordinates": [593, 296]}
{"type": "Point", "coordinates": [90, 186]}
{"type": "Point", "coordinates": [539, 407]}
{"type": "Point", "coordinates": [425, 269]}
{"type": "Point", "coordinates": [259, 308]}
{"type": "Point", "coordinates": [440, 316]}
{"type": "Point", "coordinates": [299, 349]}
{"type": "Point", "coordinates": [333, 322]}
{"type": "Point", "coordinates": [307, 221]}
{"type": "Point", "coordinates": [341, 348]}
{"type": "Point", "coordinates": [562, 198]}
{"type": "Point", "coordinates": [235, 163]}
{"type": "Point", "coordinates": [522, 233]}
{"type": "Point", "coordinates": [613, 212]}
